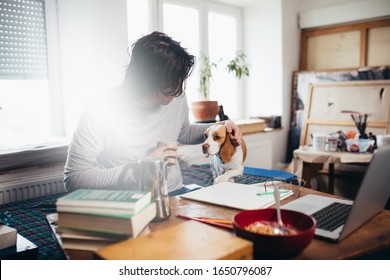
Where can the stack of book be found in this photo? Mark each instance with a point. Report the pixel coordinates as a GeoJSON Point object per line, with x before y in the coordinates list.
{"type": "Point", "coordinates": [91, 219]}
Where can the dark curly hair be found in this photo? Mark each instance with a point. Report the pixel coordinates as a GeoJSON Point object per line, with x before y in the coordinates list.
{"type": "Point", "coordinates": [159, 63]}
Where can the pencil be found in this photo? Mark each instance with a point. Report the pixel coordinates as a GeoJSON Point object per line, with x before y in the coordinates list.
{"type": "Point", "coordinates": [228, 222]}
{"type": "Point", "coordinates": [227, 226]}
{"type": "Point", "coordinates": [267, 193]}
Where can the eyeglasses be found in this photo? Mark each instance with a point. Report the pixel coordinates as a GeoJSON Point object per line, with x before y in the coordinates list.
{"type": "Point", "coordinates": [295, 185]}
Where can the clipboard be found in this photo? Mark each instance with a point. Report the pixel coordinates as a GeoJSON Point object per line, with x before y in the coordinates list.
{"type": "Point", "coordinates": [237, 196]}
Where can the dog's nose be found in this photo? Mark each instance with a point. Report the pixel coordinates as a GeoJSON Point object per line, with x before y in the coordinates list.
{"type": "Point", "coordinates": [205, 147]}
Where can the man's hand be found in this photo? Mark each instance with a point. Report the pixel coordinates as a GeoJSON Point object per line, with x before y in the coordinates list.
{"type": "Point", "coordinates": [234, 132]}
{"type": "Point", "coordinates": [167, 151]}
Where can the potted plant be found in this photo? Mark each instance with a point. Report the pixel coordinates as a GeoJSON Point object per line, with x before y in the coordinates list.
{"type": "Point", "coordinates": [205, 110]}
{"type": "Point", "coordinates": [238, 65]}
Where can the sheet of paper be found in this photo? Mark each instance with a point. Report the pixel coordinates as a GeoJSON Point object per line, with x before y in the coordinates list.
{"type": "Point", "coordinates": [234, 195]}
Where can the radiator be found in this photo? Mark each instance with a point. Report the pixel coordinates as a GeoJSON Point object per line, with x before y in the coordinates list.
{"type": "Point", "coordinates": [31, 183]}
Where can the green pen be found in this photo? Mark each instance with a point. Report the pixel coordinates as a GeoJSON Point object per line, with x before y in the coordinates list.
{"type": "Point", "coordinates": [267, 193]}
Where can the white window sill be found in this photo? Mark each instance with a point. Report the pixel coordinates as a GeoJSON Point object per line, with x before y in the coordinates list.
{"type": "Point", "coordinates": [33, 155]}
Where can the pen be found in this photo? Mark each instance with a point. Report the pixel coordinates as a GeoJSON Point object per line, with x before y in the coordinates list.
{"type": "Point", "coordinates": [267, 193]}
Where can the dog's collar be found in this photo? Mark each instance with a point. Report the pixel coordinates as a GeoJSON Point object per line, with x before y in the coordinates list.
{"type": "Point", "coordinates": [219, 157]}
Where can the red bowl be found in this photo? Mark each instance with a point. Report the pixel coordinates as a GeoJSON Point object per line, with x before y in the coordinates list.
{"type": "Point", "coordinates": [276, 245]}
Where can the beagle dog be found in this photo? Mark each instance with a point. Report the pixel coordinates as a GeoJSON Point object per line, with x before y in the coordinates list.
{"type": "Point", "coordinates": [227, 161]}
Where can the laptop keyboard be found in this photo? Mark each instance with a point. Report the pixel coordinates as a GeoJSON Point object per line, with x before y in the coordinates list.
{"type": "Point", "coordinates": [332, 216]}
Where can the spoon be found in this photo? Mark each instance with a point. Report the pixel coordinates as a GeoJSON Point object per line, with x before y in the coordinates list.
{"type": "Point", "coordinates": [280, 229]}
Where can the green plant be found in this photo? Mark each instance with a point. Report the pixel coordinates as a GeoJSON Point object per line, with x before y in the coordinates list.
{"type": "Point", "coordinates": [238, 65]}
{"type": "Point", "coordinates": [205, 75]}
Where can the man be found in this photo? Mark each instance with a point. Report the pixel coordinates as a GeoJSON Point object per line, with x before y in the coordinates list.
{"type": "Point", "coordinates": [124, 124]}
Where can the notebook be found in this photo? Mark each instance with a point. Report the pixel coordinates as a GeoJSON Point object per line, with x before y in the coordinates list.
{"type": "Point", "coordinates": [370, 200]}
{"type": "Point", "coordinates": [235, 195]}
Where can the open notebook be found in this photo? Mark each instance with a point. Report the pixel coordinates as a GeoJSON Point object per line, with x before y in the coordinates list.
{"type": "Point", "coordinates": [238, 196]}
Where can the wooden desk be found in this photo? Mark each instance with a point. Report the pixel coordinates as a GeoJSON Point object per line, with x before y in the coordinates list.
{"type": "Point", "coordinates": [307, 162]}
{"type": "Point", "coordinates": [373, 237]}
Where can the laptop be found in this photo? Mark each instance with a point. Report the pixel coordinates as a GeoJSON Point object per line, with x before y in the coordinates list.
{"type": "Point", "coordinates": [337, 218]}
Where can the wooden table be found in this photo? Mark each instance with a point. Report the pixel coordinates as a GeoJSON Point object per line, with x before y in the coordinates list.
{"type": "Point", "coordinates": [371, 238]}
{"type": "Point", "coordinates": [307, 162]}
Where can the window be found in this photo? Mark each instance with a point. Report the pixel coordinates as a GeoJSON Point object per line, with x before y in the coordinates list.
{"type": "Point", "coordinates": [26, 113]}
{"type": "Point", "coordinates": [32, 107]}
{"type": "Point", "coordinates": [200, 27]}
{"type": "Point", "coordinates": [137, 19]}
{"type": "Point", "coordinates": [182, 23]}
{"type": "Point", "coordinates": [223, 47]}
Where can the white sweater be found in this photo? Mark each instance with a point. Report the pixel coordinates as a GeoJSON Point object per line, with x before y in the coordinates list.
{"type": "Point", "coordinates": [114, 131]}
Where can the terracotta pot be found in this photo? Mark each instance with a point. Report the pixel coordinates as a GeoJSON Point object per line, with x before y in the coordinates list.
{"type": "Point", "coordinates": [205, 111]}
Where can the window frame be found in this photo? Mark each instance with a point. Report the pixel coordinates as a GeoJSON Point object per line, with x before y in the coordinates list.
{"type": "Point", "coordinates": [44, 153]}
{"type": "Point", "coordinates": [57, 112]}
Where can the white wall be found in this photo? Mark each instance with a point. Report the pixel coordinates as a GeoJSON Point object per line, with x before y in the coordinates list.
{"type": "Point", "coordinates": [93, 43]}
{"type": "Point", "coordinates": [343, 12]}
{"type": "Point", "coordinates": [263, 46]}
{"type": "Point", "coordinates": [272, 44]}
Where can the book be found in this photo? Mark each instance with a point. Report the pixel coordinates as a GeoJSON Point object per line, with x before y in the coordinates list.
{"type": "Point", "coordinates": [188, 240]}
{"type": "Point", "coordinates": [83, 234]}
{"type": "Point", "coordinates": [103, 201]}
{"type": "Point", "coordinates": [85, 244]}
{"type": "Point", "coordinates": [128, 224]}
{"type": "Point", "coordinates": [7, 236]}
{"type": "Point", "coordinates": [78, 239]}
{"type": "Point", "coordinates": [235, 195]}
{"type": "Point", "coordinates": [88, 241]}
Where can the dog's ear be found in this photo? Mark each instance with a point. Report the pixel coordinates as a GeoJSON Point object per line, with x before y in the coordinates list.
{"type": "Point", "coordinates": [227, 149]}
{"type": "Point", "coordinates": [206, 134]}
